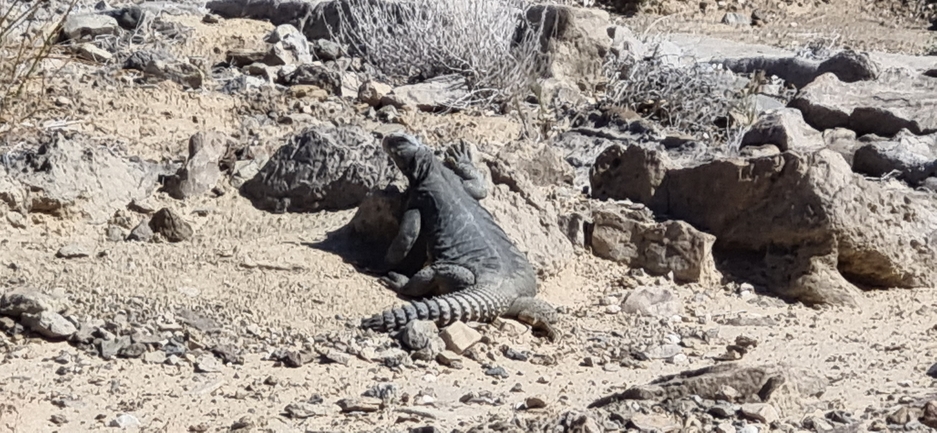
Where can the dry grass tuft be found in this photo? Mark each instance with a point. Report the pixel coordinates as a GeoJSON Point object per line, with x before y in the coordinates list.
{"type": "Point", "coordinates": [488, 42]}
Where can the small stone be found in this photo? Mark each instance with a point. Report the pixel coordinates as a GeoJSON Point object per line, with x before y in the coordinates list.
{"type": "Point", "coordinates": [929, 418]}
{"type": "Point", "coordinates": [497, 372]}
{"type": "Point", "coordinates": [903, 416]}
{"type": "Point", "coordinates": [817, 424]}
{"type": "Point", "coordinates": [89, 51]}
{"type": "Point", "coordinates": [326, 49]}
{"type": "Point", "coordinates": [303, 410]}
{"type": "Point", "coordinates": [125, 421]}
{"type": "Point", "coordinates": [27, 301]}
{"type": "Point", "coordinates": [73, 251]}
{"type": "Point", "coordinates": [89, 26]}
{"type": "Point", "coordinates": [663, 351]}
{"type": "Point", "coordinates": [613, 309]}
{"type": "Point", "coordinates": [449, 359]}
{"type": "Point", "coordinates": [49, 324]}
{"type": "Point", "coordinates": [362, 404]}
{"type": "Point", "coordinates": [725, 427]}
{"type": "Point", "coordinates": [723, 410]}
{"type": "Point", "coordinates": [932, 371]}
{"type": "Point", "coordinates": [761, 412]}
{"type": "Point", "coordinates": [58, 419]}
{"type": "Point", "coordinates": [142, 232]}
{"type": "Point", "coordinates": [371, 92]}
{"type": "Point", "coordinates": [654, 423]}
{"type": "Point", "coordinates": [535, 402]}
{"type": "Point", "coordinates": [154, 357]}
{"type": "Point", "coordinates": [459, 337]}
{"type": "Point", "coordinates": [16, 219]}
{"type": "Point", "coordinates": [728, 394]}
{"type": "Point", "coordinates": [679, 359]}
{"type": "Point", "coordinates": [748, 428]}
{"type": "Point", "coordinates": [114, 233]}
{"type": "Point", "coordinates": [211, 19]}
{"type": "Point", "coordinates": [419, 334]}
{"type": "Point", "coordinates": [170, 225]}
{"type": "Point", "coordinates": [208, 364]}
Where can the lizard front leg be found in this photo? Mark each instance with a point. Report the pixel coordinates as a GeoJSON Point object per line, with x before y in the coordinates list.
{"type": "Point", "coordinates": [406, 236]}
{"type": "Point", "coordinates": [436, 279]}
{"type": "Point", "coordinates": [459, 160]}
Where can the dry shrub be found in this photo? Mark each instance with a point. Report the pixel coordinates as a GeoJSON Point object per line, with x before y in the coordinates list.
{"type": "Point", "coordinates": [488, 42]}
{"type": "Point", "coordinates": [26, 40]}
{"type": "Point", "coordinates": [696, 99]}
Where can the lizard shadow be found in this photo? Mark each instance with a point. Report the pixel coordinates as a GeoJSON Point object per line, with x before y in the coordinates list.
{"type": "Point", "coordinates": [367, 255]}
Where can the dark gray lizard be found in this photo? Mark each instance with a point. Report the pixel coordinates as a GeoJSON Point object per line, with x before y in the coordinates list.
{"type": "Point", "coordinates": [474, 267]}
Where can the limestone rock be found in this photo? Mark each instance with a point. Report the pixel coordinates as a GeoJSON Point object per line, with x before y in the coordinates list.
{"type": "Point", "coordinates": [459, 337]}
{"type": "Point", "coordinates": [653, 301]}
{"type": "Point", "coordinates": [170, 225]}
{"type": "Point", "coordinates": [321, 168]}
{"type": "Point", "coordinates": [634, 239]}
{"type": "Point", "coordinates": [49, 324]}
{"type": "Point", "coordinates": [79, 26]}
{"type": "Point", "coordinates": [786, 387]}
{"type": "Point", "coordinates": [818, 228]}
{"type": "Point", "coordinates": [784, 128]}
{"type": "Point", "coordinates": [882, 107]}
{"type": "Point", "coordinates": [435, 94]}
{"type": "Point", "coordinates": [914, 157]}
{"type": "Point", "coordinates": [576, 39]}
{"type": "Point", "coordinates": [200, 172]}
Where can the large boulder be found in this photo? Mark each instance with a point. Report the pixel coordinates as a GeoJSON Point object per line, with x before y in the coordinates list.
{"type": "Point", "coordinates": [201, 170]}
{"type": "Point", "coordinates": [71, 174]}
{"type": "Point", "coordinates": [882, 107]}
{"type": "Point", "coordinates": [321, 168]}
{"type": "Point", "coordinates": [848, 66]}
{"type": "Point", "coordinates": [787, 387]}
{"type": "Point", "coordinates": [576, 40]}
{"type": "Point", "coordinates": [633, 238]}
{"type": "Point", "coordinates": [802, 224]}
{"type": "Point", "coordinates": [913, 157]}
{"type": "Point", "coordinates": [784, 128]}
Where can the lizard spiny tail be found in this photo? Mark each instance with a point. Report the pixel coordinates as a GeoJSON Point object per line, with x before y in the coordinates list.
{"type": "Point", "coordinates": [481, 305]}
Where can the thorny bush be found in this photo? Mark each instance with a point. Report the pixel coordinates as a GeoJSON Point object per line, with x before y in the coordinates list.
{"type": "Point", "coordinates": [28, 32]}
{"type": "Point", "coordinates": [488, 42]}
{"type": "Point", "coordinates": [698, 99]}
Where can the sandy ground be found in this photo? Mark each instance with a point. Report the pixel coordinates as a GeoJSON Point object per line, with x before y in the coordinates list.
{"type": "Point", "coordinates": [874, 358]}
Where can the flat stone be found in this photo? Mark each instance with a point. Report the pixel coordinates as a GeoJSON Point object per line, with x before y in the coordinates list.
{"type": "Point", "coordinates": [882, 107]}
{"type": "Point", "coordinates": [89, 25]}
{"type": "Point", "coordinates": [74, 251]}
{"type": "Point", "coordinates": [761, 412]}
{"type": "Point", "coordinates": [459, 337]}
{"type": "Point", "coordinates": [49, 324]}
{"type": "Point", "coordinates": [361, 404]}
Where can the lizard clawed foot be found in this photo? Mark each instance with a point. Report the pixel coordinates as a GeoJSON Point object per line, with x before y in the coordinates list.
{"type": "Point", "coordinates": [458, 154]}
{"type": "Point", "coordinates": [394, 281]}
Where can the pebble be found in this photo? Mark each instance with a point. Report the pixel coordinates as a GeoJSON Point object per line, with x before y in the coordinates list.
{"type": "Point", "coordinates": [125, 421]}
{"type": "Point", "coordinates": [208, 364]}
{"type": "Point", "coordinates": [154, 357]}
{"type": "Point", "coordinates": [449, 359]}
{"type": "Point", "coordinates": [725, 427]}
{"type": "Point", "coordinates": [535, 402]}
{"type": "Point", "coordinates": [761, 412]}
{"type": "Point", "coordinates": [362, 404]}
{"type": "Point", "coordinates": [74, 251]}
{"type": "Point", "coordinates": [498, 372]}
{"type": "Point", "coordinates": [49, 324]}
{"type": "Point", "coordinates": [303, 410]}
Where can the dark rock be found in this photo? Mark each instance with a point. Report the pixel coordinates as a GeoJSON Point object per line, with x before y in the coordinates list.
{"type": "Point", "coordinates": [321, 169]}
{"type": "Point", "coordinates": [326, 50]}
{"type": "Point", "coordinates": [882, 107]}
{"type": "Point", "coordinates": [201, 171]}
{"type": "Point", "coordinates": [170, 225]}
{"type": "Point", "coordinates": [913, 157]}
{"type": "Point", "coordinates": [317, 75]}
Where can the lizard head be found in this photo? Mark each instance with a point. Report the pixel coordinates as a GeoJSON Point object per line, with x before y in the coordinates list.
{"type": "Point", "coordinates": [411, 157]}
